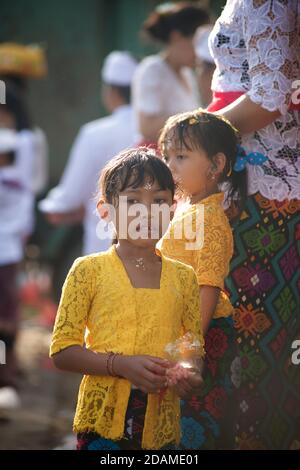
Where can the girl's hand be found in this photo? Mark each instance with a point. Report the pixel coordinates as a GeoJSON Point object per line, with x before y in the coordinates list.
{"type": "Point", "coordinates": [147, 373]}
{"type": "Point", "coordinates": [187, 387]}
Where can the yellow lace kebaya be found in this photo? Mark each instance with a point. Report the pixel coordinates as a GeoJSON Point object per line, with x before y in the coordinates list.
{"type": "Point", "coordinates": [100, 307]}
{"type": "Point", "coordinates": [211, 261]}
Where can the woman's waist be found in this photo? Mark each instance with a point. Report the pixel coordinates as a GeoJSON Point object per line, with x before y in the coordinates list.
{"type": "Point", "coordinates": [223, 98]}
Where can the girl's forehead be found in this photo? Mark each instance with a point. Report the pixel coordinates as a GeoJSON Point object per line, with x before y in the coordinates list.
{"type": "Point", "coordinates": [177, 139]}
{"type": "Point", "coordinates": [137, 179]}
{"type": "Point", "coordinates": [174, 147]}
{"type": "Point", "coordinates": [146, 185]}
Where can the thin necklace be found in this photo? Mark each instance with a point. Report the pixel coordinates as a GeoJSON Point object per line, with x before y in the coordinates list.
{"type": "Point", "coordinates": [139, 263]}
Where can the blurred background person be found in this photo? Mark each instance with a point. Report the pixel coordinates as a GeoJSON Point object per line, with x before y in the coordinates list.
{"type": "Point", "coordinates": [18, 64]}
{"type": "Point", "coordinates": [16, 214]}
{"type": "Point", "coordinates": [23, 174]}
{"type": "Point", "coordinates": [205, 64]}
{"type": "Point", "coordinates": [164, 84]}
{"type": "Point", "coordinates": [73, 199]}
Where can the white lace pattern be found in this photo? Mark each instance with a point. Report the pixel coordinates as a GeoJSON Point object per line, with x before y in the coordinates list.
{"type": "Point", "coordinates": [256, 47]}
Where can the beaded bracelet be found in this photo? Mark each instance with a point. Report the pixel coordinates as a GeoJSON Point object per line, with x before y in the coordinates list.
{"type": "Point", "coordinates": [109, 355]}
{"type": "Point", "coordinates": [112, 364]}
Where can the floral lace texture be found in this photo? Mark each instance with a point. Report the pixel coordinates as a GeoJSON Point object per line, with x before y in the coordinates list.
{"type": "Point", "coordinates": [255, 44]}
{"type": "Point", "coordinates": [211, 261]}
{"type": "Point", "coordinates": [101, 308]}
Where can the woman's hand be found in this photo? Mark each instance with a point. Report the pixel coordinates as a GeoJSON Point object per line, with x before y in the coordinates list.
{"type": "Point", "coordinates": [147, 373]}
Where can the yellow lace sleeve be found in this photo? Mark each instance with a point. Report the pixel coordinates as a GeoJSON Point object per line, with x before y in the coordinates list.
{"type": "Point", "coordinates": [71, 318]}
{"type": "Point", "coordinates": [192, 317]}
{"type": "Point", "coordinates": [211, 262]}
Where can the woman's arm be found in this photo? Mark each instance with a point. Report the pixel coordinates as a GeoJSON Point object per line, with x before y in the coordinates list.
{"type": "Point", "coordinates": [72, 217]}
{"type": "Point", "coordinates": [150, 125]}
{"type": "Point", "coordinates": [271, 55]}
{"type": "Point", "coordinates": [248, 116]}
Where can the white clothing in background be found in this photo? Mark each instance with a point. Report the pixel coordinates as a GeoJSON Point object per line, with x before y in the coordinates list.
{"type": "Point", "coordinates": [96, 143]}
{"type": "Point", "coordinates": [157, 89]}
{"type": "Point", "coordinates": [16, 200]}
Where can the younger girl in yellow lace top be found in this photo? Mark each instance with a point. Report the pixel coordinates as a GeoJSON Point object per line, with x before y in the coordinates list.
{"type": "Point", "coordinates": [200, 150]}
{"type": "Point", "coordinates": [126, 305]}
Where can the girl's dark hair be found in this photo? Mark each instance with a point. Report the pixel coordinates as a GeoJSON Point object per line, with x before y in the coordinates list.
{"type": "Point", "coordinates": [200, 130]}
{"type": "Point", "coordinates": [184, 17]}
{"type": "Point", "coordinates": [15, 105]}
{"type": "Point", "coordinates": [131, 168]}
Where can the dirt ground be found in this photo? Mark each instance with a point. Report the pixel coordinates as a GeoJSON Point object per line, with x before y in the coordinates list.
{"type": "Point", "coordinates": [48, 398]}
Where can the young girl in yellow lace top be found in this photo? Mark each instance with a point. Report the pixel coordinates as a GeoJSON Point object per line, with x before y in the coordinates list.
{"type": "Point", "coordinates": [200, 150]}
{"type": "Point", "coordinates": [126, 305]}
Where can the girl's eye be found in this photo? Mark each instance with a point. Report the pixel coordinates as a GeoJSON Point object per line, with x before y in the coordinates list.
{"type": "Point", "coordinates": [160, 201]}
{"type": "Point", "coordinates": [132, 201]}
{"type": "Point", "coordinates": [180, 157]}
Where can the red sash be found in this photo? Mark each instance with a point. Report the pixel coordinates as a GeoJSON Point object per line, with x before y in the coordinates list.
{"type": "Point", "coordinates": [221, 99]}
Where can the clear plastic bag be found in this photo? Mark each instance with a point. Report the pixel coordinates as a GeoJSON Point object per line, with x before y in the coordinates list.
{"type": "Point", "coordinates": [186, 354]}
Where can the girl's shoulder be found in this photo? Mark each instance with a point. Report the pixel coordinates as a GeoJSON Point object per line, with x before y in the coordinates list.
{"type": "Point", "coordinates": [208, 213]}
{"type": "Point", "coordinates": [190, 214]}
{"type": "Point", "coordinates": [93, 263]}
{"type": "Point", "coordinates": [212, 207]}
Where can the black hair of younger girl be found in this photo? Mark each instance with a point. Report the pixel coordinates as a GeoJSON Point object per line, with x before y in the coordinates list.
{"type": "Point", "coordinates": [131, 169]}
{"type": "Point", "coordinates": [200, 130]}
{"type": "Point", "coordinates": [184, 17]}
{"type": "Point", "coordinates": [15, 104]}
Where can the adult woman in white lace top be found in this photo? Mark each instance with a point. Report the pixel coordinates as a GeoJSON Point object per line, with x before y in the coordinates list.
{"type": "Point", "coordinates": [255, 44]}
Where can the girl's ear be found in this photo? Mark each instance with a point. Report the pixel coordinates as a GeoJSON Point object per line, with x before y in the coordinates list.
{"type": "Point", "coordinates": [103, 210]}
{"type": "Point", "coordinates": [219, 163]}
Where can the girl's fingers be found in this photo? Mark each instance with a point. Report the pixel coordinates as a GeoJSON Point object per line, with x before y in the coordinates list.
{"type": "Point", "coordinates": [156, 368]}
{"type": "Point", "coordinates": [144, 386]}
{"type": "Point", "coordinates": [180, 390]}
{"type": "Point", "coordinates": [195, 381]}
{"type": "Point", "coordinates": [157, 381]}
{"type": "Point", "coordinates": [150, 387]}
{"type": "Point", "coordinates": [161, 362]}
{"type": "Point", "coordinates": [185, 386]}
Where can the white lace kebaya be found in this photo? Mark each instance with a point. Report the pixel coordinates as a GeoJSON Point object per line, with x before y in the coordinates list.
{"type": "Point", "coordinates": [256, 47]}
